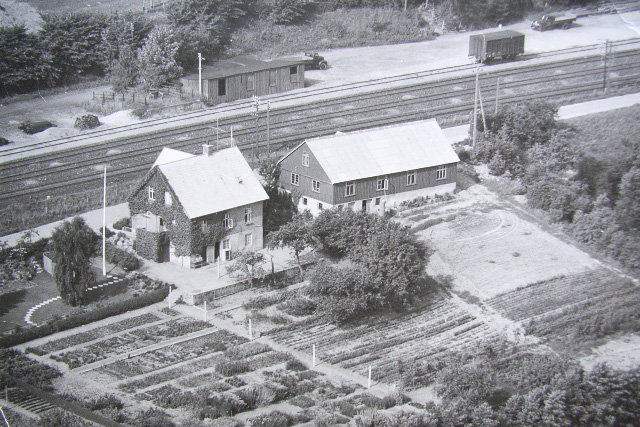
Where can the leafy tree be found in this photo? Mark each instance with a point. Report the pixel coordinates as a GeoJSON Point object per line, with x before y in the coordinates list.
{"type": "Point", "coordinates": [73, 244]}
{"type": "Point", "coordinates": [19, 57]}
{"type": "Point", "coordinates": [73, 40]}
{"type": "Point", "coordinates": [127, 31]}
{"type": "Point", "coordinates": [157, 58]}
{"type": "Point", "coordinates": [628, 204]}
{"type": "Point", "coordinates": [289, 11]}
{"type": "Point", "coordinates": [248, 266]}
{"type": "Point", "coordinates": [123, 71]}
{"type": "Point", "coordinates": [296, 235]}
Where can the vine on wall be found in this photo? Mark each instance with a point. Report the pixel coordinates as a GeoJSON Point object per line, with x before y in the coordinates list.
{"type": "Point", "coordinates": [149, 245]}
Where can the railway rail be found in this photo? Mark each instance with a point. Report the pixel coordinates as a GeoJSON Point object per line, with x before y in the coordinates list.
{"type": "Point", "coordinates": [449, 92]}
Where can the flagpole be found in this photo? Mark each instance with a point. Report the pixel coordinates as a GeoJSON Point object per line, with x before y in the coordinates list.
{"type": "Point", "coordinates": [104, 224]}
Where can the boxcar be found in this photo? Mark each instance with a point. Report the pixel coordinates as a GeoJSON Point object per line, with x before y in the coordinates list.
{"type": "Point", "coordinates": [500, 44]}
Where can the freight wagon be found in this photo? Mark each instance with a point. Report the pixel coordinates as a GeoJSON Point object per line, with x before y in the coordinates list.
{"type": "Point", "coordinates": [500, 44]}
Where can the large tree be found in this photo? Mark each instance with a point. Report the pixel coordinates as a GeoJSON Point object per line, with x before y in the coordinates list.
{"type": "Point", "coordinates": [296, 235]}
{"type": "Point", "coordinates": [72, 245]}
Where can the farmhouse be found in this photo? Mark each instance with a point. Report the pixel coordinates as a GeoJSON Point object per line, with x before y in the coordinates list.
{"type": "Point", "coordinates": [243, 77]}
{"type": "Point", "coordinates": [192, 209]}
{"type": "Point", "coordinates": [370, 169]}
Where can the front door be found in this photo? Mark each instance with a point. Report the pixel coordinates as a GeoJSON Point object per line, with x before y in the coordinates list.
{"type": "Point", "coordinates": [216, 251]}
{"type": "Point", "coordinates": [364, 205]}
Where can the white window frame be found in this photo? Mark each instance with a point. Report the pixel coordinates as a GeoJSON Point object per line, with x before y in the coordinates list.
{"type": "Point", "coordinates": [382, 183]}
{"type": "Point", "coordinates": [168, 200]}
{"type": "Point", "coordinates": [226, 249]}
{"type": "Point", "coordinates": [295, 179]}
{"type": "Point", "coordinates": [152, 193]}
{"type": "Point", "coordinates": [350, 189]}
{"type": "Point", "coordinates": [305, 159]}
{"type": "Point", "coordinates": [441, 173]}
{"type": "Point", "coordinates": [411, 178]}
{"type": "Point", "coordinates": [228, 221]}
{"type": "Point", "coordinates": [248, 239]}
{"type": "Point", "coordinates": [248, 215]}
{"type": "Point", "coordinates": [315, 186]}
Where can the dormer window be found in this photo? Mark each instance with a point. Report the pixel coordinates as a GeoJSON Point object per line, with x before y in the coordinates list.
{"type": "Point", "coordinates": [305, 159]}
{"type": "Point", "coordinates": [152, 194]}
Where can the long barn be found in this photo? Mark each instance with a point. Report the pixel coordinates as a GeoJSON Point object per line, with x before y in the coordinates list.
{"type": "Point", "coordinates": [243, 77]}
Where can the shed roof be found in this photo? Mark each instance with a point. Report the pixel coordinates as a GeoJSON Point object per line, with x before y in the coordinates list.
{"type": "Point", "coordinates": [497, 35]}
{"type": "Point", "coordinates": [208, 184]}
{"type": "Point", "coordinates": [240, 65]}
{"type": "Point", "coordinates": [382, 151]}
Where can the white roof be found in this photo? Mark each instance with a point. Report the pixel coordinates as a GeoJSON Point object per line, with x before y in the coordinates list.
{"type": "Point", "coordinates": [168, 155]}
{"type": "Point", "coordinates": [382, 151]}
{"type": "Point", "coordinates": [215, 183]}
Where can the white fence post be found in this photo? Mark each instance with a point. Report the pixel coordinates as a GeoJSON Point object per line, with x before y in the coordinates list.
{"type": "Point", "coordinates": [169, 296]}
{"type": "Point", "coordinates": [250, 331]}
{"type": "Point", "coordinates": [369, 380]}
{"type": "Point", "coordinates": [205, 310]}
{"type": "Point", "coordinates": [314, 356]}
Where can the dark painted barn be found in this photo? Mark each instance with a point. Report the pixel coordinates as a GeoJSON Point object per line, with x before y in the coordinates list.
{"type": "Point", "coordinates": [242, 77]}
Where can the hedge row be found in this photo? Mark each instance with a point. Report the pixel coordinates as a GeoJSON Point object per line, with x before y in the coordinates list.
{"type": "Point", "coordinates": [84, 318]}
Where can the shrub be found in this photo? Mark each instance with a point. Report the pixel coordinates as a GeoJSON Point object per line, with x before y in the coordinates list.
{"type": "Point", "coordinates": [298, 306]}
{"type": "Point", "coordinates": [123, 222]}
{"type": "Point", "coordinates": [109, 233]}
{"type": "Point", "coordinates": [106, 401]}
{"type": "Point", "coordinates": [295, 365]}
{"type": "Point", "coordinates": [123, 259]}
{"type": "Point", "coordinates": [258, 303]}
{"type": "Point", "coordinates": [303, 401]}
{"type": "Point", "coordinates": [87, 121]}
{"type": "Point", "coordinates": [4, 141]}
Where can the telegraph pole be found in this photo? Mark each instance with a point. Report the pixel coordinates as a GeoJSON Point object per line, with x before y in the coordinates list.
{"type": "Point", "coordinates": [475, 110]}
{"type": "Point", "coordinates": [268, 132]}
{"type": "Point", "coordinates": [256, 114]}
{"type": "Point", "coordinates": [200, 58]}
{"type": "Point", "coordinates": [607, 47]}
{"type": "Point", "coordinates": [104, 224]}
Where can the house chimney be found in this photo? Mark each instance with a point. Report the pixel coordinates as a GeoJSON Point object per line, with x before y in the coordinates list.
{"type": "Point", "coordinates": [207, 149]}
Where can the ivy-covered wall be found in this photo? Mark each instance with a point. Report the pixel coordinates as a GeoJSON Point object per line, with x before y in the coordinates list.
{"type": "Point", "coordinates": [149, 245]}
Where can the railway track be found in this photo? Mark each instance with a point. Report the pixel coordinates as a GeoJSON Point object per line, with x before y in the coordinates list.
{"type": "Point", "coordinates": [46, 167]}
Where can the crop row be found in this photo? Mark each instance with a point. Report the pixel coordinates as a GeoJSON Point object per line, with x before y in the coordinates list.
{"type": "Point", "coordinates": [172, 354]}
{"type": "Point", "coordinates": [93, 334]}
{"type": "Point", "coordinates": [130, 341]}
{"type": "Point", "coordinates": [547, 296]}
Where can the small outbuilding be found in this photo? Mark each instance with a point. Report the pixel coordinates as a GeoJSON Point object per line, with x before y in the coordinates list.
{"type": "Point", "coordinates": [243, 77]}
{"type": "Point", "coordinates": [370, 169]}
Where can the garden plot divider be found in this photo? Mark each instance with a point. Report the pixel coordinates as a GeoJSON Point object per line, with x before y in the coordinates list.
{"type": "Point", "coordinates": [288, 276]}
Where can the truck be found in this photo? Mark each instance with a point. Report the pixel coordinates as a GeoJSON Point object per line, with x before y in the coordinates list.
{"type": "Point", "coordinates": [552, 21]}
{"type": "Point", "coordinates": [314, 61]}
{"type": "Point", "coordinates": [486, 47]}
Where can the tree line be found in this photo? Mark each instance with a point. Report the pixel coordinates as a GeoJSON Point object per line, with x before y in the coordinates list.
{"type": "Point", "coordinates": [135, 49]}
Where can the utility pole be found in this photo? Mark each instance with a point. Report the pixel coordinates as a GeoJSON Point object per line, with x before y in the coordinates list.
{"type": "Point", "coordinates": [607, 48]}
{"type": "Point", "coordinates": [268, 131]}
{"type": "Point", "coordinates": [104, 224]}
{"type": "Point", "coordinates": [497, 93]}
{"type": "Point", "coordinates": [256, 114]}
{"type": "Point", "coordinates": [475, 110]}
{"type": "Point", "coordinates": [200, 58]}
{"type": "Point", "coordinates": [484, 121]}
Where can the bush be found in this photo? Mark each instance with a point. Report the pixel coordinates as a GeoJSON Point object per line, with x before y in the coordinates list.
{"type": "Point", "coordinates": [4, 141]}
{"type": "Point", "coordinates": [109, 233]}
{"type": "Point", "coordinates": [123, 259]}
{"type": "Point", "coordinates": [295, 365]}
{"type": "Point", "coordinates": [298, 307]}
{"type": "Point", "coordinates": [88, 121]}
{"type": "Point", "coordinates": [31, 128]}
{"type": "Point", "coordinates": [123, 222]}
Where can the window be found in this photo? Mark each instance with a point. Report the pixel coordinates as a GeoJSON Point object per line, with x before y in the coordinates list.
{"type": "Point", "coordinates": [293, 74]}
{"type": "Point", "coordinates": [315, 186]}
{"type": "Point", "coordinates": [247, 215]}
{"type": "Point", "coordinates": [320, 206]}
{"type": "Point", "coordinates": [226, 248]}
{"type": "Point", "coordinates": [304, 201]}
{"type": "Point", "coordinates": [228, 221]}
{"type": "Point", "coordinates": [152, 194]}
{"type": "Point", "coordinates": [222, 87]}
{"type": "Point", "coordinates": [383, 183]}
{"type": "Point", "coordinates": [248, 239]}
{"type": "Point", "coordinates": [350, 190]}
{"type": "Point", "coordinates": [295, 178]}
{"type": "Point", "coordinates": [205, 226]}
{"type": "Point", "coordinates": [167, 198]}
{"type": "Point", "coordinates": [305, 159]}
{"type": "Point", "coordinates": [377, 201]}
{"type": "Point", "coordinates": [251, 82]}
{"type": "Point", "coordinates": [411, 178]}
{"type": "Point", "coordinates": [441, 172]}
{"type": "Point", "coordinates": [273, 77]}
{"type": "Point", "coordinates": [160, 221]}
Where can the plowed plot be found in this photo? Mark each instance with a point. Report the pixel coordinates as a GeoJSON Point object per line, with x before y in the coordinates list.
{"type": "Point", "coordinates": [491, 250]}
{"type": "Point", "coordinates": [427, 335]}
{"type": "Point", "coordinates": [574, 309]}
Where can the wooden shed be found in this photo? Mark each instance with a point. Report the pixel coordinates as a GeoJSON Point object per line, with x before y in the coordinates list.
{"type": "Point", "coordinates": [243, 77]}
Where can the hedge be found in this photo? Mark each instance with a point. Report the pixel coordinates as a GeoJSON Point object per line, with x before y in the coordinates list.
{"type": "Point", "coordinates": [84, 318]}
{"type": "Point", "coordinates": [123, 259]}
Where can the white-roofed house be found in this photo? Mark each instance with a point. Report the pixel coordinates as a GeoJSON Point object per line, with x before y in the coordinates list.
{"type": "Point", "coordinates": [190, 209]}
{"type": "Point", "coordinates": [370, 169]}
